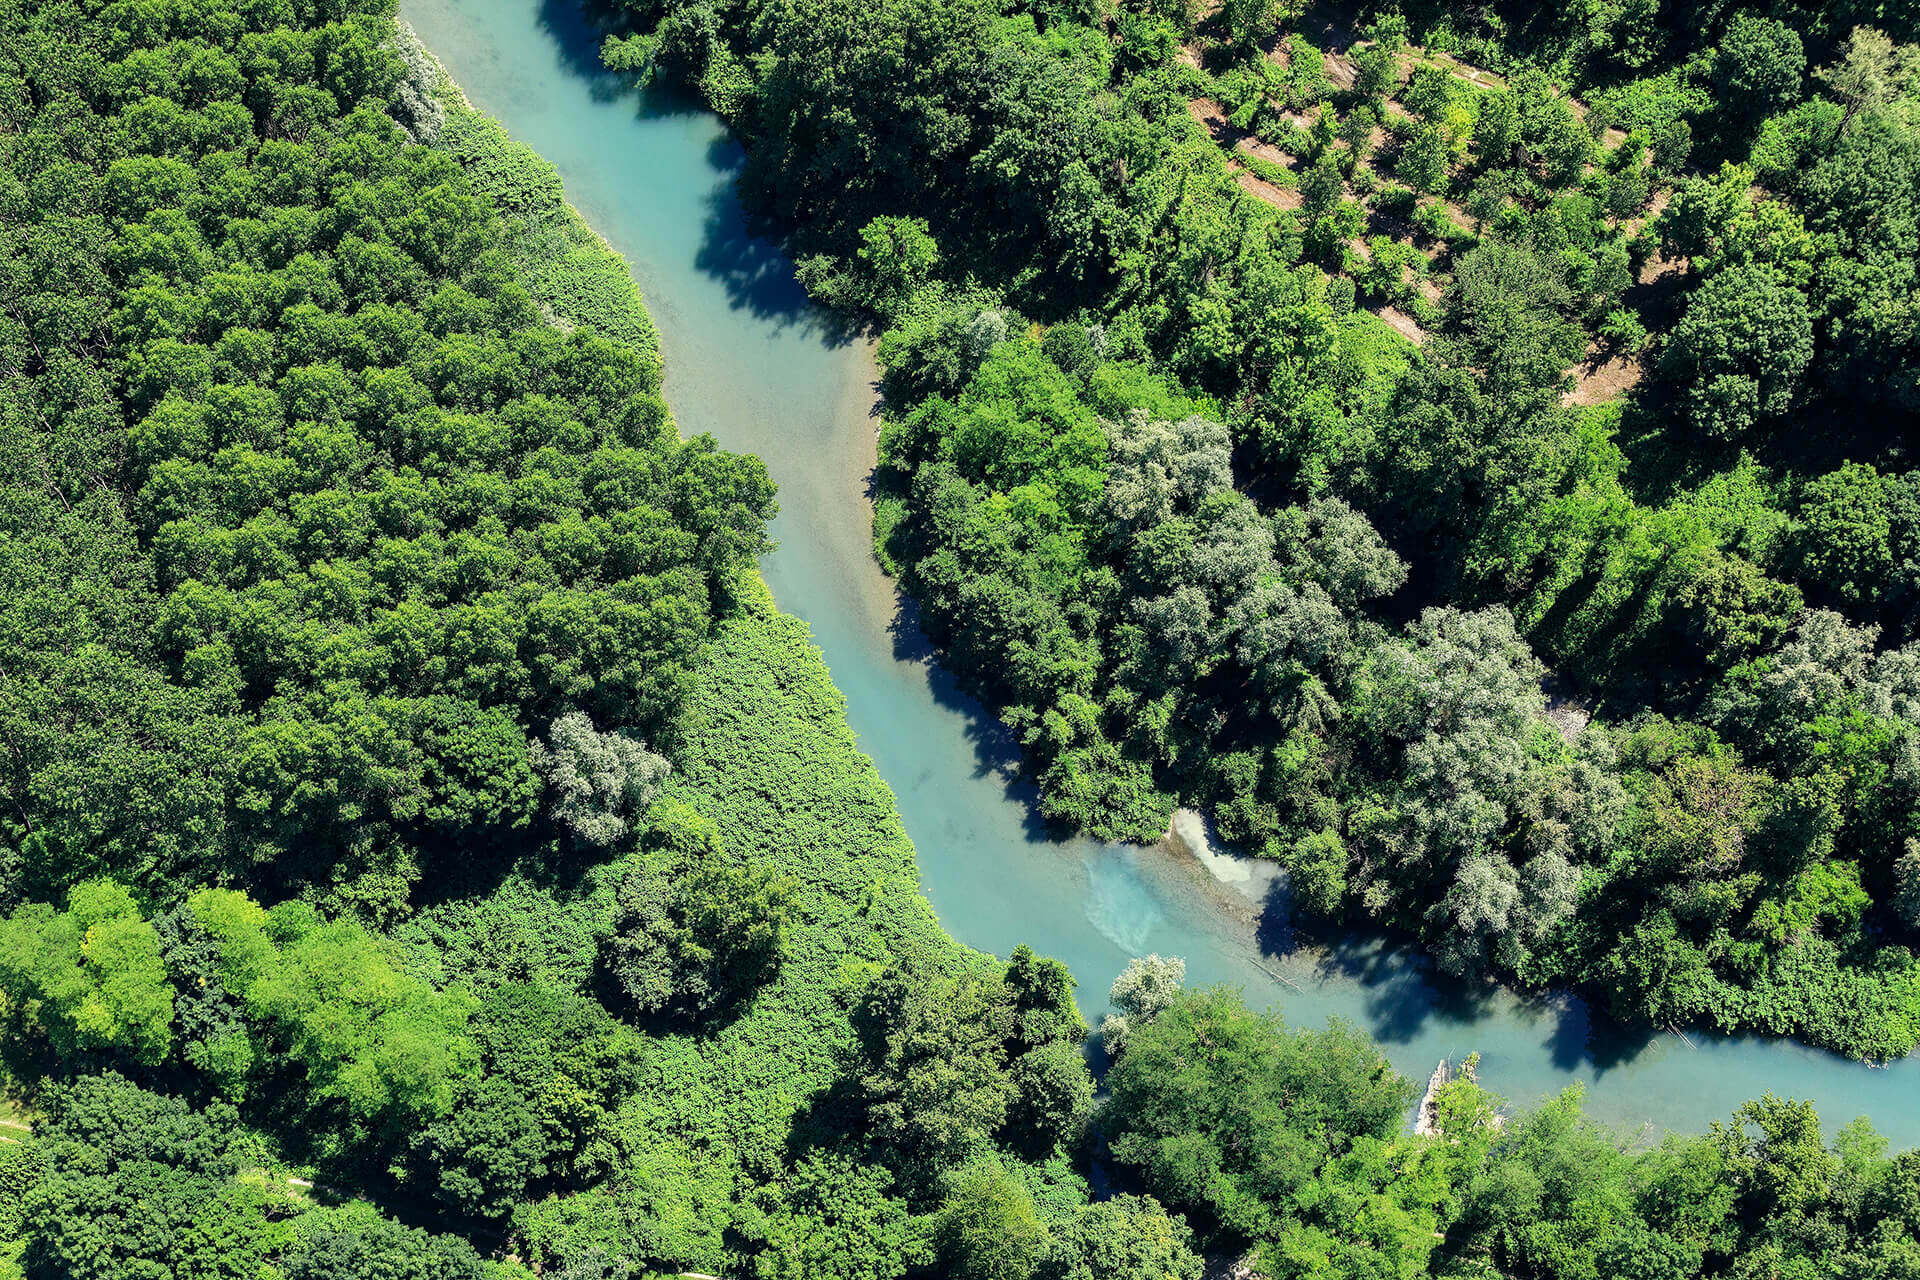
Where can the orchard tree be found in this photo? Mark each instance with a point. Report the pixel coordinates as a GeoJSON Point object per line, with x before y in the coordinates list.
{"type": "Point", "coordinates": [1496, 129]}
{"type": "Point", "coordinates": [1846, 535]}
{"type": "Point", "coordinates": [1252, 23]}
{"type": "Point", "coordinates": [1758, 65]}
{"type": "Point", "coordinates": [1423, 159]}
{"type": "Point", "coordinates": [1741, 350]}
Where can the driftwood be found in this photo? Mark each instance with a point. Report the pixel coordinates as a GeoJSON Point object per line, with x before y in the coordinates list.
{"type": "Point", "coordinates": [1428, 1121]}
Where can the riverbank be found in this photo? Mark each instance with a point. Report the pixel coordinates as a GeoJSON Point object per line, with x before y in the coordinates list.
{"type": "Point", "coordinates": [765, 752]}
{"type": "Point", "coordinates": [748, 360]}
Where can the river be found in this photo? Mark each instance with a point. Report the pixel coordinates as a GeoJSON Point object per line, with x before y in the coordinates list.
{"type": "Point", "coordinates": [748, 360]}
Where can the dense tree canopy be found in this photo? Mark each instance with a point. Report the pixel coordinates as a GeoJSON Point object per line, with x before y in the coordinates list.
{"type": "Point", "coordinates": [315, 518]}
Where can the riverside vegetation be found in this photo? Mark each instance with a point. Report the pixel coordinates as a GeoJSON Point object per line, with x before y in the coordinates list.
{"type": "Point", "coordinates": [428, 855]}
{"type": "Point", "coordinates": [426, 851]}
{"type": "Point", "coordinates": [1577, 637]}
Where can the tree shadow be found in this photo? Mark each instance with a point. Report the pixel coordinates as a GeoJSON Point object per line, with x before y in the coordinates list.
{"type": "Point", "coordinates": [577, 30]}
{"type": "Point", "coordinates": [747, 252]}
{"type": "Point", "coordinates": [996, 752]}
{"type": "Point", "coordinates": [1585, 1035]}
{"type": "Point", "coordinates": [833, 1117]}
{"type": "Point", "coordinates": [1275, 932]}
{"type": "Point", "coordinates": [1402, 992]}
{"type": "Point", "coordinates": [738, 251]}
{"type": "Point", "coordinates": [755, 271]}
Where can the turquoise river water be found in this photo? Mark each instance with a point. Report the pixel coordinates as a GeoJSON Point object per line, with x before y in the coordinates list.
{"type": "Point", "coordinates": [748, 360]}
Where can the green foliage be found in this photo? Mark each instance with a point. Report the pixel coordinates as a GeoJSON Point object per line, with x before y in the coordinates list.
{"type": "Point", "coordinates": [1847, 534]}
{"type": "Point", "coordinates": [949, 1065]}
{"type": "Point", "coordinates": [1740, 350]}
{"type": "Point", "coordinates": [332, 573]}
{"type": "Point", "coordinates": [1126, 1238]}
{"type": "Point", "coordinates": [1757, 69]}
{"type": "Point", "coordinates": [718, 1126]}
{"type": "Point", "coordinates": [355, 1242]}
{"type": "Point", "coordinates": [90, 978]}
{"type": "Point", "coordinates": [136, 1181]}
{"type": "Point", "coordinates": [695, 930]}
{"type": "Point", "coordinates": [379, 1048]}
{"type": "Point", "coordinates": [987, 1228]}
{"type": "Point", "coordinates": [840, 1221]}
{"type": "Point", "coordinates": [1496, 129]}
{"type": "Point", "coordinates": [1229, 1114]}
{"type": "Point", "coordinates": [554, 1066]}
{"type": "Point", "coordinates": [366, 521]}
{"type": "Point", "coordinates": [1137, 636]}
{"type": "Point", "coordinates": [564, 265]}
{"type": "Point", "coordinates": [896, 258]}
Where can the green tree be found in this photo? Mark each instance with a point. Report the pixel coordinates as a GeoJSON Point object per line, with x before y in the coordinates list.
{"type": "Point", "coordinates": [899, 257]}
{"type": "Point", "coordinates": [1740, 351]}
{"type": "Point", "coordinates": [599, 781]}
{"type": "Point", "coordinates": [1757, 68]}
{"type": "Point", "coordinates": [1846, 534]}
{"type": "Point", "coordinates": [355, 1242]}
{"type": "Point", "coordinates": [379, 1049]}
{"type": "Point", "coordinates": [1356, 131]}
{"type": "Point", "coordinates": [1228, 1113]}
{"type": "Point", "coordinates": [91, 978]}
{"type": "Point", "coordinates": [1872, 71]}
{"type": "Point", "coordinates": [1126, 1238]}
{"type": "Point", "coordinates": [139, 1183]}
{"type": "Point", "coordinates": [1496, 129]}
{"type": "Point", "coordinates": [1322, 187]}
{"type": "Point", "coordinates": [841, 1220]}
{"type": "Point", "coordinates": [696, 932]}
{"type": "Point", "coordinates": [1376, 71]}
{"type": "Point", "coordinates": [1423, 159]}
{"type": "Point", "coordinates": [987, 1228]}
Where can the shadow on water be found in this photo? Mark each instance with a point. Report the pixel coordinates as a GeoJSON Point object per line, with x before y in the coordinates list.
{"type": "Point", "coordinates": [996, 752]}
{"type": "Point", "coordinates": [1275, 933]}
{"type": "Point", "coordinates": [1583, 1036]}
{"type": "Point", "coordinates": [757, 275]}
{"type": "Point", "coordinates": [577, 31]}
{"type": "Point", "coordinates": [1402, 993]}
{"type": "Point", "coordinates": [756, 272]}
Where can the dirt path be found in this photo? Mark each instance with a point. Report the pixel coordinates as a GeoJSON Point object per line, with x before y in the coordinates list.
{"type": "Point", "coordinates": [1604, 375]}
{"type": "Point", "coordinates": [1260, 189]}
{"type": "Point", "coordinates": [1403, 324]}
{"type": "Point", "coordinates": [1213, 118]}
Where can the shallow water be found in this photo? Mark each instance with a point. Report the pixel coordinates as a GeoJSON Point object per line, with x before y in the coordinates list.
{"type": "Point", "coordinates": [749, 361]}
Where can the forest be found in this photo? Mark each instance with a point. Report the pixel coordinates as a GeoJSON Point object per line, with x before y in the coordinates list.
{"type": "Point", "coordinates": [1462, 449]}
{"type": "Point", "coordinates": [427, 853]}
